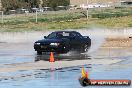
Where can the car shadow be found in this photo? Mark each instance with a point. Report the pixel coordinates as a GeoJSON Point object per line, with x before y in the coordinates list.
{"type": "Point", "coordinates": [63, 57]}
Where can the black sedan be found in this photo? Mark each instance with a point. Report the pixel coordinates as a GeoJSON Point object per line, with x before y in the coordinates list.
{"type": "Point", "coordinates": [62, 42]}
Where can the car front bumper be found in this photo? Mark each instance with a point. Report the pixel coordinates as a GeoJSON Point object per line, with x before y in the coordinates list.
{"type": "Point", "coordinates": [50, 48]}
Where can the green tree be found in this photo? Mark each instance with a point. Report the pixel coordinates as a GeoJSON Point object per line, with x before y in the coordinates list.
{"type": "Point", "coordinates": [14, 4]}
{"type": "Point", "coordinates": [9, 4]}
{"type": "Point", "coordinates": [55, 3]}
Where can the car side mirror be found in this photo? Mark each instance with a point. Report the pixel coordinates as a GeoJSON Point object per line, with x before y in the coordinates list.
{"type": "Point", "coordinates": [45, 37]}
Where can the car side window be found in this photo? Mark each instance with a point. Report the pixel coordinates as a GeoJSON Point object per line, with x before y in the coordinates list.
{"type": "Point", "coordinates": [76, 35]}
{"type": "Point", "coordinates": [79, 35]}
{"type": "Point", "coordinates": [73, 35]}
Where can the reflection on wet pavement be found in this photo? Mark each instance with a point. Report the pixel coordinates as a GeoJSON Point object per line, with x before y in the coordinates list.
{"type": "Point", "coordinates": [63, 57]}
{"type": "Point", "coordinates": [39, 74]}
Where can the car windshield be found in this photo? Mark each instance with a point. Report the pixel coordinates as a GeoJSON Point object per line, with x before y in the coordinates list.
{"type": "Point", "coordinates": [58, 35]}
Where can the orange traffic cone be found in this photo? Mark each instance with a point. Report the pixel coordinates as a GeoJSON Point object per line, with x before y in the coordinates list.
{"type": "Point", "coordinates": [86, 74]}
{"type": "Point", "coordinates": [52, 59]}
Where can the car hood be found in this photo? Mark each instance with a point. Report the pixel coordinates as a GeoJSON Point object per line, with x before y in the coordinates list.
{"type": "Point", "coordinates": [49, 41]}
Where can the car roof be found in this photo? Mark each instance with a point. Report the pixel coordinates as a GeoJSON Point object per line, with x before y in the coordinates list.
{"type": "Point", "coordinates": [65, 31]}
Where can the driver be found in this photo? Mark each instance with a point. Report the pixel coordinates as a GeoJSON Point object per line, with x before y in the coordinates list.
{"type": "Point", "coordinates": [59, 35]}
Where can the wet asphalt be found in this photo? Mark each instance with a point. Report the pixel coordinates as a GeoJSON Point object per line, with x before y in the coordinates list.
{"type": "Point", "coordinates": [20, 53]}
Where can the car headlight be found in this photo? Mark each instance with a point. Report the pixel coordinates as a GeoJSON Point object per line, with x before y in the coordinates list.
{"type": "Point", "coordinates": [54, 44]}
{"type": "Point", "coordinates": [37, 43]}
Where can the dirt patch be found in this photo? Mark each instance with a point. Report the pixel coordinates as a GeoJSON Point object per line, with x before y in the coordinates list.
{"type": "Point", "coordinates": [118, 42]}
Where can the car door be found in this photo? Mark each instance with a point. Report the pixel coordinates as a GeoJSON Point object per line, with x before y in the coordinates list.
{"type": "Point", "coordinates": [75, 40]}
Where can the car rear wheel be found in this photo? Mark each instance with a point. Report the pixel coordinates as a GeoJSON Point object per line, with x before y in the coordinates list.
{"type": "Point", "coordinates": [39, 53]}
{"type": "Point", "coordinates": [85, 48]}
